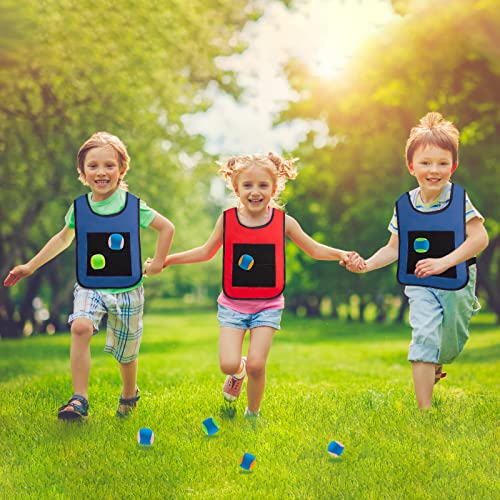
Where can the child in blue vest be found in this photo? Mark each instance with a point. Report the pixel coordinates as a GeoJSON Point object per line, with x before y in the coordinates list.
{"type": "Point", "coordinates": [107, 223]}
{"type": "Point", "coordinates": [436, 234]}
{"type": "Point", "coordinates": [253, 237]}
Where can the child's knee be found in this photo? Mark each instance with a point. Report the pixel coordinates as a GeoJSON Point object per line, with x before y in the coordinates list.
{"type": "Point", "coordinates": [255, 368]}
{"type": "Point", "coordinates": [82, 327]}
{"type": "Point", "coordinates": [230, 366]}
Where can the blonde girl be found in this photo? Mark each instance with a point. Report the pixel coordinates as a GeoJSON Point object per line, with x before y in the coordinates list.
{"type": "Point", "coordinates": [253, 237]}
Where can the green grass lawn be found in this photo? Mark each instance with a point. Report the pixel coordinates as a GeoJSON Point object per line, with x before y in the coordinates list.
{"type": "Point", "coordinates": [326, 380]}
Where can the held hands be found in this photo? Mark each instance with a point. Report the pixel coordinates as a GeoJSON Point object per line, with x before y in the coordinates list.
{"type": "Point", "coordinates": [151, 267]}
{"type": "Point", "coordinates": [353, 262]}
{"type": "Point", "coordinates": [430, 267]}
{"type": "Point", "coordinates": [17, 274]}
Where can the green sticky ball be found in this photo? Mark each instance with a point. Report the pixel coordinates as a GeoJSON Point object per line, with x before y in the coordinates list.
{"type": "Point", "coordinates": [97, 262]}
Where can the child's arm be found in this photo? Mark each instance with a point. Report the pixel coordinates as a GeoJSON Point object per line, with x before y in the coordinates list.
{"type": "Point", "coordinates": [52, 248]}
{"type": "Point", "coordinates": [476, 241]}
{"type": "Point", "coordinates": [166, 232]}
{"type": "Point", "coordinates": [199, 254]}
{"type": "Point", "coordinates": [381, 258]}
{"type": "Point", "coordinates": [311, 247]}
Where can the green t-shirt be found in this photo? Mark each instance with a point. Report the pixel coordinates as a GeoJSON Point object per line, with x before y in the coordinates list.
{"type": "Point", "coordinates": [112, 205]}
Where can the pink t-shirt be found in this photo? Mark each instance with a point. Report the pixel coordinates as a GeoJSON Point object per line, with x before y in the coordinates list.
{"type": "Point", "coordinates": [248, 306]}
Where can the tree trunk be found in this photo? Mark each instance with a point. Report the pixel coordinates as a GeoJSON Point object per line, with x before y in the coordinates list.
{"type": "Point", "coordinates": [486, 277]}
{"type": "Point", "coordinates": [402, 311]}
{"type": "Point", "coordinates": [10, 329]}
{"type": "Point", "coordinates": [379, 301]}
{"type": "Point", "coordinates": [313, 306]}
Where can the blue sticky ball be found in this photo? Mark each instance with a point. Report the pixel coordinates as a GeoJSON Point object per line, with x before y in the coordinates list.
{"type": "Point", "coordinates": [421, 245]}
{"type": "Point", "coordinates": [145, 436]}
{"type": "Point", "coordinates": [335, 448]}
{"type": "Point", "coordinates": [246, 262]}
{"type": "Point", "coordinates": [116, 241]}
{"type": "Point", "coordinates": [247, 461]}
{"type": "Point", "coordinates": [210, 426]}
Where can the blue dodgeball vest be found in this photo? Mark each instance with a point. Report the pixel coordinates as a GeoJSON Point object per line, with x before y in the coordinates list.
{"type": "Point", "coordinates": [108, 247]}
{"type": "Point", "coordinates": [424, 235]}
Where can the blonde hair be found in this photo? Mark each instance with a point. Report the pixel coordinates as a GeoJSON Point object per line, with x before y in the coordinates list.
{"type": "Point", "coordinates": [98, 140]}
{"type": "Point", "coordinates": [433, 130]}
{"type": "Point", "coordinates": [280, 169]}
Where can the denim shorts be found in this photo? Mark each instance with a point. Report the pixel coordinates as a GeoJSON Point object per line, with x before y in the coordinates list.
{"type": "Point", "coordinates": [440, 320]}
{"type": "Point", "coordinates": [235, 319]}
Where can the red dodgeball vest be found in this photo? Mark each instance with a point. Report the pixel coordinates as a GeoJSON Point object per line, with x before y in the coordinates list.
{"type": "Point", "coordinates": [254, 257]}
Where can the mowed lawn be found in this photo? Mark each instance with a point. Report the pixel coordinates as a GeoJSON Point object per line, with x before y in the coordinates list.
{"type": "Point", "coordinates": [327, 381]}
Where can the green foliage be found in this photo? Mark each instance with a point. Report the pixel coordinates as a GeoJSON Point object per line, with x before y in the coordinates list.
{"type": "Point", "coordinates": [325, 381]}
{"type": "Point", "coordinates": [392, 81]}
{"type": "Point", "coordinates": [132, 68]}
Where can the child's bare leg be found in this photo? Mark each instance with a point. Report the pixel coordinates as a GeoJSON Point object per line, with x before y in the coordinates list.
{"type": "Point", "coordinates": [129, 378]}
{"type": "Point", "coordinates": [423, 379]}
{"type": "Point", "coordinates": [230, 345]}
{"type": "Point", "coordinates": [81, 333]}
{"type": "Point", "coordinates": [261, 339]}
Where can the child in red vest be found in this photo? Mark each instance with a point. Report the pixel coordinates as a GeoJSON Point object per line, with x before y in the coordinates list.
{"type": "Point", "coordinates": [253, 236]}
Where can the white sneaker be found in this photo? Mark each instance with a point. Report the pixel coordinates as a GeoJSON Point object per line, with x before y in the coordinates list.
{"type": "Point", "coordinates": [251, 414]}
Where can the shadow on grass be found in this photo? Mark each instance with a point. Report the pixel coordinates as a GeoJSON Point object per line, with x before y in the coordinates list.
{"type": "Point", "coordinates": [484, 354]}
{"type": "Point", "coordinates": [313, 331]}
{"type": "Point", "coordinates": [227, 412]}
{"type": "Point", "coordinates": [24, 357]}
{"type": "Point", "coordinates": [317, 330]}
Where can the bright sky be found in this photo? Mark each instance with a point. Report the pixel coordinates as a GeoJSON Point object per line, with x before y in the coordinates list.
{"type": "Point", "coordinates": [322, 33]}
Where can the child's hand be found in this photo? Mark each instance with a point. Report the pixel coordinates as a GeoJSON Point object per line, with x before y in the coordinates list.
{"type": "Point", "coordinates": [430, 267]}
{"type": "Point", "coordinates": [151, 267]}
{"type": "Point", "coordinates": [355, 263]}
{"type": "Point", "coordinates": [17, 274]}
{"type": "Point", "coordinates": [345, 257]}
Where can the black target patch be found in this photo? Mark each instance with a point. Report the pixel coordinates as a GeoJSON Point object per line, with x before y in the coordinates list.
{"type": "Point", "coordinates": [262, 272]}
{"type": "Point", "coordinates": [117, 262]}
{"type": "Point", "coordinates": [441, 243]}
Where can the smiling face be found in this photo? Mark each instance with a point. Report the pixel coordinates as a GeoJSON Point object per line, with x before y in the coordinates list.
{"type": "Point", "coordinates": [255, 187]}
{"type": "Point", "coordinates": [432, 167]}
{"type": "Point", "coordinates": [102, 172]}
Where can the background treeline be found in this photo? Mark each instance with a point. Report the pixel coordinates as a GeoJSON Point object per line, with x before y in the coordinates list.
{"type": "Point", "coordinates": [442, 56]}
{"type": "Point", "coordinates": [71, 68]}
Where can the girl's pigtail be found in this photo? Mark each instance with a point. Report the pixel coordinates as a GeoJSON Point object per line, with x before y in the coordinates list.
{"type": "Point", "coordinates": [285, 168]}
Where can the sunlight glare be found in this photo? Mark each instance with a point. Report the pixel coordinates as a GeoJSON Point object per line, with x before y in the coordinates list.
{"type": "Point", "coordinates": [334, 29]}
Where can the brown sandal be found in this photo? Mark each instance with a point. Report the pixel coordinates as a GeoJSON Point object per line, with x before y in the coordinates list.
{"type": "Point", "coordinates": [439, 374]}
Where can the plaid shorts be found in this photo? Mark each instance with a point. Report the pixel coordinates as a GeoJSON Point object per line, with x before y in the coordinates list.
{"type": "Point", "coordinates": [124, 318]}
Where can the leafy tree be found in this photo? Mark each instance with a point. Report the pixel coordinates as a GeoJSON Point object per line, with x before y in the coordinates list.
{"type": "Point", "coordinates": [413, 67]}
{"type": "Point", "coordinates": [132, 68]}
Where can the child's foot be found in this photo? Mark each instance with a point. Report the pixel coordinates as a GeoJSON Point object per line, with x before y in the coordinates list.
{"type": "Point", "coordinates": [234, 383]}
{"type": "Point", "coordinates": [439, 374]}
{"type": "Point", "coordinates": [252, 414]}
{"type": "Point", "coordinates": [75, 409]}
{"type": "Point", "coordinates": [127, 405]}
